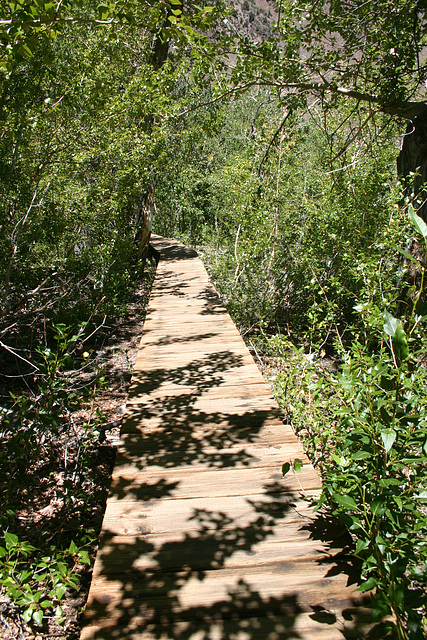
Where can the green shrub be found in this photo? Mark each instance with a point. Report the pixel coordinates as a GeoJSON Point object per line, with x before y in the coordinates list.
{"type": "Point", "coordinates": [368, 427]}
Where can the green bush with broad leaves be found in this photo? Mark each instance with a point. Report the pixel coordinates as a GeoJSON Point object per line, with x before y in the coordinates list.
{"type": "Point", "coordinates": [36, 582]}
{"type": "Point", "coordinates": [374, 457]}
{"type": "Point", "coordinates": [40, 417]}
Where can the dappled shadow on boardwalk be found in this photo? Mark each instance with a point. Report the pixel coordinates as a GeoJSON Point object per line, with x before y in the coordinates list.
{"type": "Point", "coordinates": [146, 592]}
{"type": "Point", "coordinates": [203, 539]}
{"type": "Point", "coordinates": [181, 583]}
{"type": "Point", "coordinates": [208, 296]}
{"type": "Point", "coordinates": [175, 430]}
{"type": "Point", "coordinates": [177, 252]}
{"type": "Point", "coordinates": [150, 600]}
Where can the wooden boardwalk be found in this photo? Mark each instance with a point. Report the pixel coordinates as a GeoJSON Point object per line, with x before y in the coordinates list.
{"type": "Point", "coordinates": [203, 539]}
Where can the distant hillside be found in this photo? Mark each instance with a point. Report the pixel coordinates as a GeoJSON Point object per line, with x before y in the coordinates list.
{"type": "Point", "coordinates": [254, 18]}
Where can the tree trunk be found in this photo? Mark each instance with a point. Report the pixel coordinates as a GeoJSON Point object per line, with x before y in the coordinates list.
{"type": "Point", "coordinates": [412, 162]}
{"type": "Point", "coordinates": [412, 171]}
{"type": "Point", "coordinates": [144, 223]}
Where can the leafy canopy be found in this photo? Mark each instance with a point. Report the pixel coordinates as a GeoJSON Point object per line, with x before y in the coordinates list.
{"type": "Point", "coordinates": [370, 51]}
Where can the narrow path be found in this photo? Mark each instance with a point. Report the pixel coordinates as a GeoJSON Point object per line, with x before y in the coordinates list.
{"type": "Point", "coordinates": [203, 539]}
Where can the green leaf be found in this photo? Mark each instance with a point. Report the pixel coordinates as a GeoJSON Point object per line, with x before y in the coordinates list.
{"type": "Point", "coordinates": [377, 507]}
{"type": "Point", "coordinates": [298, 465]}
{"type": "Point", "coordinates": [388, 436]}
{"type": "Point", "coordinates": [73, 548]}
{"type": "Point", "coordinates": [62, 568]}
{"type": "Point", "coordinates": [84, 557]}
{"type": "Point", "coordinates": [370, 583]}
{"type": "Point", "coordinates": [46, 604]}
{"type": "Point", "coordinates": [11, 540]}
{"type": "Point", "coordinates": [361, 455]}
{"type": "Point", "coordinates": [40, 577]}
{"type": "Point", "coordinates": [400, 344]}
{"type": "Point", "coordinates": [60, 591]}
{"type": "Point", "coordinates": [104, 12]}
{"type": "Point", "coordinates": [38, 617]}
{"type": "Point", "coordinates": [398, 501]}
{"type": "Point", "coordinates": [285, 468]}
{"type": "Point", "coordinates": [418, 222]}
{"type": "Point", "coordinates": [25, 51]}
{"type": "Point", "coordinates": [407, 255]}
{"type": "Point", "coordinates": [27, 615]}
{"type": "Point", "coordinates": [340, 460]}
{"type": "Point", "coordinates": [345, 501]}
{"type": "Point", "coordinates": [390, 324]}
{"type": "Point", "coordinates": [361, 545]}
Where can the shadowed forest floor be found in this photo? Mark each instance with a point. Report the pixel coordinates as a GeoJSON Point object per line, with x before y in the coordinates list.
{"type": "Point", "coordinates": [114, 349]}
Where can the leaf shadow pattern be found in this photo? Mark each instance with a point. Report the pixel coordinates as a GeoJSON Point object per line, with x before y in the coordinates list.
{"type": "Point", "coordinates": [191, 544]}
{"type": "Point", "coordinates": [146, 584]}
{"type": "Point", "coordinates": [148, 598]}
{"type": "Point", "coordinates": [338, 543]}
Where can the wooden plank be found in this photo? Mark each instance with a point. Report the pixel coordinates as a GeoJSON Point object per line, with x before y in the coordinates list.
{"type": "Point", "coordinates": [186, 406]}
{"type": "Point", "coordinates": [254, 389]}
{"type": "Point", "coordinates": [203, 538]}
{"type": "Point", "coordinates": [129, 480]}
{"type": "Point", "coordinates": [205, 553]}
{"type": "Point", "coordinates": [221, 466]}
{"type": "Point", "coordinates": [184, 592]}
{"type": "Point", "coordinates": [294, 623]}
{"type": "Point", "coordinates": [171, 517]}
{"type": "Point", "coordinates": [147, 381]}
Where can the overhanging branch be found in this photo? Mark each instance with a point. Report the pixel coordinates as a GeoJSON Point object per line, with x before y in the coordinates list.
{"type": "Point", "coordinates": [405, 109]}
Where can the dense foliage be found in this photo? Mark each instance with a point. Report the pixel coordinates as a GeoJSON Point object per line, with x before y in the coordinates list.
{"type": "Point", "coordinates": [275, 155]}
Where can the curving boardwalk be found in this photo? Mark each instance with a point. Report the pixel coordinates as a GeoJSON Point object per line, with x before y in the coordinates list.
{"type": "Point", "coordinates": [202, 537]}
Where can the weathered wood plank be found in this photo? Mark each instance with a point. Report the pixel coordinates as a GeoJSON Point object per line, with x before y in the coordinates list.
{"type": "Point", "coordinates": [173, 517]}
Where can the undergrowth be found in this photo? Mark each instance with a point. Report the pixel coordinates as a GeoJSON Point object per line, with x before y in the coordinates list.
{"type": "Point", "coordinates": [43, 445]}
{"type": "Point", "coordinates": [365, 426]}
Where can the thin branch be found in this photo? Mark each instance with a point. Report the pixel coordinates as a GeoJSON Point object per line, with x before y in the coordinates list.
{"type": "Point", "coordinates": [19, 225]}
{"type": "Point", "coordinates": [37, 22]}
{"type": "Point", "coordinates": [347, 166]}
{"type": "Point", "coordinates": [227, 93]}
{"type": "Point", "coordinates": [236, 273]}
{"type": "Point", "coordinates": [353, 135]}
{"type": "Point", "coordinates": [97, 328]}
{"type": "Point", "coordinates": [273, 140]}
{"type": "Point", "coordinates": [406, 109]}
{"type": "Point", "coordinates": [327, 300]}
{"type": "Point", "coordinates": [7, 329]}
{"type": "Point", "coordinates": [26, 296]}
{"type": "Point", "coordinates": [5, 623]}
{"type": "Point", "coordinates": [257, 355]}
{"type": "Point", "coordinates": [14, 353]}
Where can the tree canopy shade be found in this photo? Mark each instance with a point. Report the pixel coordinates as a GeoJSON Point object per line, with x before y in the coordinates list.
{"type": "Point", "coordinates": [373, 53]}
{"type": "Point", "coordinates": [84, 94]}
